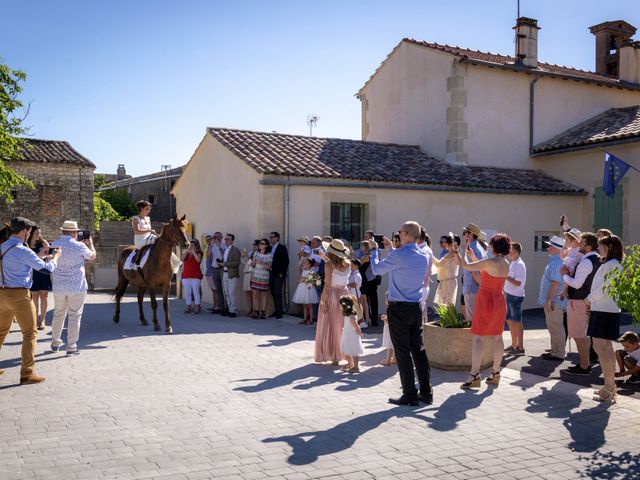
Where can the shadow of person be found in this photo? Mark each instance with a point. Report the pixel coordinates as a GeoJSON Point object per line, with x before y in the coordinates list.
{"type": "Point", "coordinates": [319, 372]}
{"type": "Point", "coordinates": [552, 402]}
{"type": "Point", "coordinates": [587, 428]}
{"type": "Point", "coordinates": [536, 366]}
{"type": "Point", "coordinates": [309, 446]}
{"type": "Point", "coordinates": [454, 409]}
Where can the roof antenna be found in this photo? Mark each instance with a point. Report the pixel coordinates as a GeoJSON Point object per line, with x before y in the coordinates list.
{"type": "Point", "coordinates": [312, 121]}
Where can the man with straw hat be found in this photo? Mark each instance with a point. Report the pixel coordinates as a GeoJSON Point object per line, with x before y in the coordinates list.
{"type": "Point", "coordinates": [407, 267]}
{"type": "Point", "coordinates": [470, 283]}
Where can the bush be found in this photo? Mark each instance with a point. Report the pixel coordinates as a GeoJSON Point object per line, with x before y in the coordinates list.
{"type": "Point", "coordinates": [624, 286]}
{"type": "Point", "coordinates": [102, 210]}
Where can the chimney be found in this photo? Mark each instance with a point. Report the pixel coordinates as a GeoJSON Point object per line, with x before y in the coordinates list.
{"type": "Point", "coordinates": [527, 42]}
{"type": "Point", "coordinates": [121, 173]}
{"type": "Point", "coordinates": [610, 37]}
{"type": "Point", "coordinates": [630, 62]}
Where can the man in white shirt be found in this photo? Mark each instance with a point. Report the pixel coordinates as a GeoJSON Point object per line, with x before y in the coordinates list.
{"type": "Point", "coordinates": [69, 286]}
{"type": "Point", "coordinates": [514, 292]}
{"type": "Point", "coordinates": [579, 289]}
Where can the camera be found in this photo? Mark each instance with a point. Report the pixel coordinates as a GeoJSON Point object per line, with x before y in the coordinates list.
{"type": "Point", "coordinates": [52, 250]}
{"type": "Point", "coordinates": [83, 235]}
{"type": "Point", "coordinates": [378, 239]}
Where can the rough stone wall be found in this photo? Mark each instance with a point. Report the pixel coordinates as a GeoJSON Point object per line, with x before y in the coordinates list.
{"type": "Point", "coordinates": [62, 192]}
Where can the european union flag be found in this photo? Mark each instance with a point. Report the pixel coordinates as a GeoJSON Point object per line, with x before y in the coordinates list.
{"type": "Point", "coordinates": [614, 170]}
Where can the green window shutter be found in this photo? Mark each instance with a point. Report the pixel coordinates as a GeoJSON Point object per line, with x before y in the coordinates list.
{"type": "Point", "coordinates": [608, 211]}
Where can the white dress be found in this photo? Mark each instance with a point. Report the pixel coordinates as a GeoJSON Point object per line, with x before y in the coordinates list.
{"type": "Point", "coordinates": [351, 344]}
{"type": "Point", "coordinates": [386, 336]}
{"type": "Point", "coordinates": [140, 240]}
{"type": "Point", "coordinates": [305, 294]}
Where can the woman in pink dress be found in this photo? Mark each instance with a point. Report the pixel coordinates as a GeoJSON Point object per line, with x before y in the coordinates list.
{"type": "Point", "coordinates": [337, 271]}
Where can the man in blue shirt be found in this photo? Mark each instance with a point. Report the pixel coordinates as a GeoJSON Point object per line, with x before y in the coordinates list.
{"type": "Point", "coordinates": [407, 267]}
{"type": "Point", "coordinates": [17, 263]}
{"type": "Point", "coordinates": [551, 285]}
{"type": "Point", "coordinates": [470, 279]}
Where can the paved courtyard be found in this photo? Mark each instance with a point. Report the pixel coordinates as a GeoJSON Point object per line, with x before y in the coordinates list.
{"type": "Point", "coordinates": [241, 399]}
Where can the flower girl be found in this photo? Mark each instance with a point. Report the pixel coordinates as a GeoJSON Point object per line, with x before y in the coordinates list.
{"type": "Point", "coordinates": [306, 293]}
{"type": "Point", "coordinates": [351, 344]}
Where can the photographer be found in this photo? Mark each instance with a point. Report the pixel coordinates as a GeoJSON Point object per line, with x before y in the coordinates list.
{"type": "Point", "coordinates": [70, 284]}
{"type": "Point", "coordinates": [16, 263]}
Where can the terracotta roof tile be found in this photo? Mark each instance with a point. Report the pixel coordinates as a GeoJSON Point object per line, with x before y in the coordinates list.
{"type": "Point", "coordinates": [174, 172]}
{"type": "Point", "coordinates": [333, 158]}
{"type": "Point", "coordinates": [611, 125]}
{"type": "Point", "coordinates": [53, 151]}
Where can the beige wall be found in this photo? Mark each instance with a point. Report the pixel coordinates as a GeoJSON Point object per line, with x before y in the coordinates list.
{"type": "Point", "coordinates": [406, 100]}
{"type": "Point", "coordinates": [482, 114]}
{"type": "Point", "coordinates": [218, 191]}
{"type": "Point", "coordinates": [585, 168]}
{"type": "Point", "coordinates": [519, 215]}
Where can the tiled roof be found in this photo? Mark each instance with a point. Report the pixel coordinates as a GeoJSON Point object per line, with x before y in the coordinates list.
{"type": "Point", "coordinates": [333, 158]}
{"type": "Point", "coordinates": [612, 125]}
{"type": "Point", "coordinates": [53, 151]}
{"type": "Point", "coordinates": [112, 177]}
{"type": "Point", "coordinates": [174, 172]}
{"type": "Point", "coordinates": [508, 62]}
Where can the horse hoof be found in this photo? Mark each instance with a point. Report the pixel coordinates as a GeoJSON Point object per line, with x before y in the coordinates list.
{"type": "Point", "coordinates": [144, 323]}
{"type": "Point", "coordinates": [116, 319]}
{"type": "Point", "coordinates": [156, 328]}
{"type": "Point", "coordinates": [169, 331]}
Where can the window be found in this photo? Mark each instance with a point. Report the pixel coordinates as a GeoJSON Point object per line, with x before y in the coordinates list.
{"type": "Point", "coordinates": [608, 211]}
{"type": "Point", "coordinates": [151, 199]}
{"type": "Point", "coordinates": [539, 242]}
{"type": "Point", "coordinates": [347, 221]}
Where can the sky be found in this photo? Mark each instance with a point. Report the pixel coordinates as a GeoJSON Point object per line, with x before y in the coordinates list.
{"type": "Point", "coordinates": [138, 82]}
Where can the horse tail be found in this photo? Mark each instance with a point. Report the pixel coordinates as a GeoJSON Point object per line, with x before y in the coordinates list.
{"type": "Point", "coordinates": [123, 281]}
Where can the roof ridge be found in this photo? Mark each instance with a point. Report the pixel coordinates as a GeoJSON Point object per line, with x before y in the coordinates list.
{"type": "Point", "coordinates": [297, 135]}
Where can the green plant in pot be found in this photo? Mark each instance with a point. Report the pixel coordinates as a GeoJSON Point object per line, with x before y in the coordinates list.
{"type": "Point", "coordinates": [449, 317]}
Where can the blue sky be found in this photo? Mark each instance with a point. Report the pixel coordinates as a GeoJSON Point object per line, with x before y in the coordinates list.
{"type": "Point", "coordinates": [137, 82]}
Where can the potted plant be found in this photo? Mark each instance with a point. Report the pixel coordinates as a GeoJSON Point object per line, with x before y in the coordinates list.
{"type": "Point", "coordinates": [448, 341]}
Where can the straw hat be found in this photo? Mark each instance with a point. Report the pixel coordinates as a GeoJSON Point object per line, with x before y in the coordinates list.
{"type": "Point", "coordinates": [574, 233]}
{"type": "Point", "coordinates": [70, 226]}
{"type": "Point", "coordinates": [473, 228]}
{"type": "Point", "coordinates": [337, 247]}
{"type": "Point", "coordinates": [304, 239]}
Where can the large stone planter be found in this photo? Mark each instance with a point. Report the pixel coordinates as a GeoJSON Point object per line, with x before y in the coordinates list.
{"type": "Point", "coordinates": [450, 348]}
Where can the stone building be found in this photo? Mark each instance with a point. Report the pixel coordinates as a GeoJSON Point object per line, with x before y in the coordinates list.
{"type": "Point", "coordinates": [154, 188]}
{"type": "Point", "coordinates": [63, 181]}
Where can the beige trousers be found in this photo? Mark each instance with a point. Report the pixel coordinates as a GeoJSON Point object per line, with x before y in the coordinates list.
{"type": "Point", "coordinates": [18, 304]}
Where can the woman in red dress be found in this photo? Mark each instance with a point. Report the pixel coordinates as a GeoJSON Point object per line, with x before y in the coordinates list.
{"type": "Point", "coordinates": [490, 307]}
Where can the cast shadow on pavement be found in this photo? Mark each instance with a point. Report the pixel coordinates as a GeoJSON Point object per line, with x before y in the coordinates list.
{"type": "Point", "coordinates": [308, 447]}
{"type": "Point", "coordinates": [608, 465]}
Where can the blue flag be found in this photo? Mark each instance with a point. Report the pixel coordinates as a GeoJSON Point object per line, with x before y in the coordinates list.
{"type": "Point", "coordinates": [614, 170]}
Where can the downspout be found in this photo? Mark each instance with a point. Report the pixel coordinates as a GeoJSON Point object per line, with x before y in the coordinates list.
{"type": "Point", "coordinates": [285, 307]}
{"type": "Point", "coordinates": [532, 106]}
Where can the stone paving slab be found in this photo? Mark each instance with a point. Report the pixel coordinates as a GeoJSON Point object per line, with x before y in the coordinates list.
{"type": "Point", "coordinates": [239, 398]}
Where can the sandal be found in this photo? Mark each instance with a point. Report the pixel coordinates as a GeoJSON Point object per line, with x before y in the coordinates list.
{"type": "Point", "coordinates": [386, 363]}
{"type": "Point", "coordinates": [494, 379]}
{"type": "Point", "coordinates": [473, 383]}
{"type": "Point", "coordinates": [606, 396]}
{"type": "Point", "coordinates": [262, 315]}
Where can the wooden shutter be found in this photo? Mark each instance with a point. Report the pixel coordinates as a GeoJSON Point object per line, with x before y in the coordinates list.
{"type": "Point", "coordinates": [608, 211]}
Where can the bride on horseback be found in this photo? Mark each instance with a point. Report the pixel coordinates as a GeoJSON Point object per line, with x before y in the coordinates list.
{"type": "Point", "coordinates": [144, 235]}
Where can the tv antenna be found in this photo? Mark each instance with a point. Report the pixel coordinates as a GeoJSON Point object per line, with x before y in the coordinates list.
{"type": "Point", "coordinates": [312, 121]}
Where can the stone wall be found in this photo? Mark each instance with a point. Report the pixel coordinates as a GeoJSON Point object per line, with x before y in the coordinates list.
{"type": "Point", "coordinates": [62, 192]}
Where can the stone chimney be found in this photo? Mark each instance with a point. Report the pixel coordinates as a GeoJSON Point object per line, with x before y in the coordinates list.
{"type": "Point", "coordinates": [527, 42]}
{"type": "Point", "coordinates": [610, 37]}
{"type": "Point", "coordinates": [629, 69]}
{"type": "Point", "coordinates": [121, 173]}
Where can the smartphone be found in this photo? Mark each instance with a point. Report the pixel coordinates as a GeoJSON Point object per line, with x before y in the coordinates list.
{"type": "Point", "coordinates": [52, 251]}
{"type": "Point", "coordinates": [378, 239]}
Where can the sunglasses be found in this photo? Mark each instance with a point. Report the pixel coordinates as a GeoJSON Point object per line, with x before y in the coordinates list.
{"type": "Point", "coordinates": [262, 243]}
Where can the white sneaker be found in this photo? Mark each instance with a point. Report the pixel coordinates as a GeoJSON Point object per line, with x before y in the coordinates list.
{"type": "Point", "coordinates": [363, 325]}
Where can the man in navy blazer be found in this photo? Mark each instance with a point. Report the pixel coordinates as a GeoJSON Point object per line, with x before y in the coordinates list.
{"type": "Point", "coordinates": [278, 273]}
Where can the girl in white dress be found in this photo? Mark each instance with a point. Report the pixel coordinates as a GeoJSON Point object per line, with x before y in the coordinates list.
{"type": "Point", "coordinates": [386, 338]}
{"type": "Point", "coordinates": [144, 235]}
{"type": "Point", "coordinates": [351, 344]}
{"type": "Point", "coordinates": [305, 294]}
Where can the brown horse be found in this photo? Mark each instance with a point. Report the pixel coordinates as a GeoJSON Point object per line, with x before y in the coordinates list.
{"type": "Point", "coordinates": [156, 273]}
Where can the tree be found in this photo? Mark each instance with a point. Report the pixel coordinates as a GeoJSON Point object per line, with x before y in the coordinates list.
{"type": "Point", "coordinates": [120, 201]}
{"type": "Point", "coordinates": [11, 129]}
{"type": "Point", "coordinates": [624, 286]}
{"type": "Point", "coordinates": [102, 210]}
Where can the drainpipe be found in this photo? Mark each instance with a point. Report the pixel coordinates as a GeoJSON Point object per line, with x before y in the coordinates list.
{"type": "Point", "coordinates": [285, 307]}
{"type": "Point", "coordinates": [532, 105]}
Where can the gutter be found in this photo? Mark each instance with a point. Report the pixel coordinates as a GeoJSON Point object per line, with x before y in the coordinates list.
{"type": "Point", "coordinates": [532, 106]}
{"type": "Point", "coordinates": [558, 151]}
{"type": "Point", "coordinates": [321, 182]}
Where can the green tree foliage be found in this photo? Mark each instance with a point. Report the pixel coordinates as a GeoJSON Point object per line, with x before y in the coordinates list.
{"type": "Point", "coordinates": [10, 129]}
{"type": "Point", "coordinates": [624, 286]}
{"type": "Point", "coordinates": [102, 210]}
{"type": "Point", "coordinates": [120, 201]}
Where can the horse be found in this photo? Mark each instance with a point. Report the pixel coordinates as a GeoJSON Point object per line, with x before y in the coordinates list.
{"type": "Point", "coordinates": [156, 273]}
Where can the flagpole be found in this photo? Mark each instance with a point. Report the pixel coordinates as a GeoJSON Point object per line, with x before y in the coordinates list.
{"type": "Point", "coordinates": [609, 153]}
